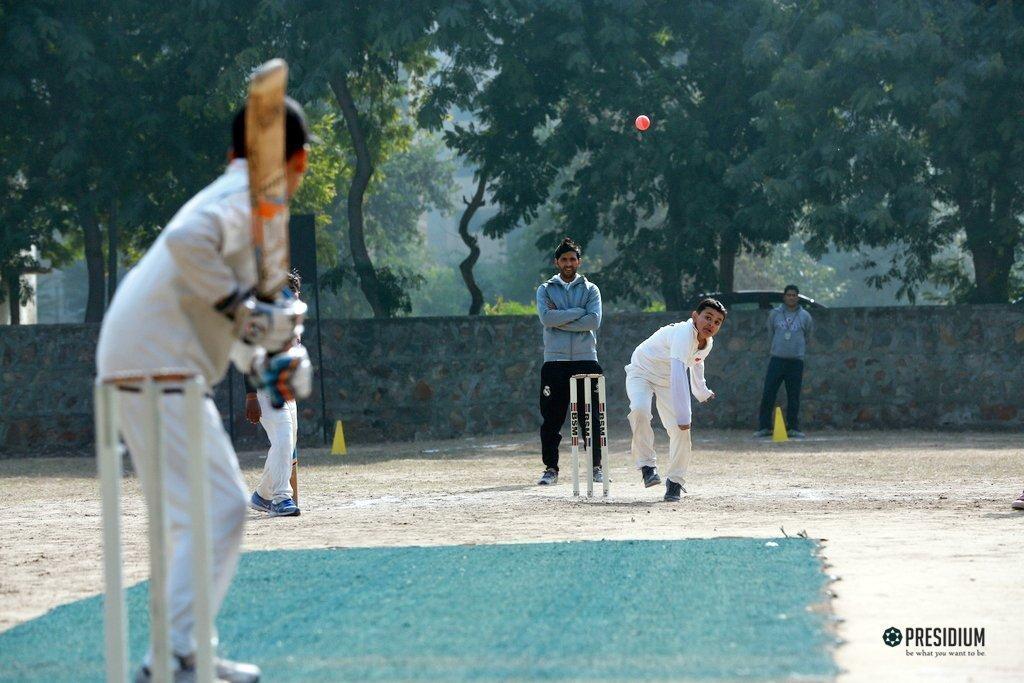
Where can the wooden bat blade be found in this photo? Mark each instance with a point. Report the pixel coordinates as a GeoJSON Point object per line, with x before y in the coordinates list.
{"type": "Point", "coordinates": [264, 148]}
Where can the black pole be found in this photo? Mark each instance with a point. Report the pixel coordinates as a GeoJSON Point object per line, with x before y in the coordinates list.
{"type": "Point", "coordinates": [302, 240]}
{"type": "Point", "coordinates": [320, 357]}
{"type": "Point", "coordinates": [112, 249]}
{"type": "Point", "coordinates": [231, 403]}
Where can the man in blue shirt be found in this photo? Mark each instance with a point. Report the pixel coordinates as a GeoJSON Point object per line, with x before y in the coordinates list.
{"type": "Point", "coordinates": [569, 308]}
{"type": "Point", "coordinates": [789, 328]}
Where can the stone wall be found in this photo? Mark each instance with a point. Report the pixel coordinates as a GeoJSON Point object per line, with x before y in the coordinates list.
{"type": "Point", "coordinates": [417, 378]}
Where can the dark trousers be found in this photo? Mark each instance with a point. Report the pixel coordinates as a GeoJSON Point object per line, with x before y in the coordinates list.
{"type": "Point", "coordinates": [554, 405]}
{"type": "Point", "coordinates": [790, 371]}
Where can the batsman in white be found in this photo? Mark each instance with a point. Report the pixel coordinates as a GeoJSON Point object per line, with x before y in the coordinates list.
{"type": "Point", "coordinates": [187, 308]}
{"type": "Point", "coordinates": [668, 365]}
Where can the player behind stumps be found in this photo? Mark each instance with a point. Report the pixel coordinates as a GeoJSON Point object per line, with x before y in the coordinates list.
{"type": "Point", "coordinates": [569, 308]}
{"type": "Point", "coordinates": [667, 366]}
{"type": "Point", "coordinates": [186, 307]}
{"type": "Point", "coordinates": [274, 494]}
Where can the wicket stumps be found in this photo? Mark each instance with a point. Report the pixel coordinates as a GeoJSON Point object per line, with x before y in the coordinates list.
{"type": "Point", "coordinates": [109, 463]}
{"type": "Point", "coordinates": [588, 431]}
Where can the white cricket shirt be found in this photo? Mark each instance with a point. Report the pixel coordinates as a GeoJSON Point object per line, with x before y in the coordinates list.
{"type": "Point", "coordinates": [653, 358]}
{"type": "Point", "coordinates": [162, 318]}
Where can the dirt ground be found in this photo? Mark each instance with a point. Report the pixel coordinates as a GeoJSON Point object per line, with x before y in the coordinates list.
{"type": "Point", "coordinates": [916, 527]}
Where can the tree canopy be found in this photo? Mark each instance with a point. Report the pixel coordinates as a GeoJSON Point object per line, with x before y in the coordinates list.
{"type": "Point", "coordinates": [854, 125]}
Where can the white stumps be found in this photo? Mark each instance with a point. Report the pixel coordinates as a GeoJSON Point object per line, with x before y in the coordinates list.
{"type": "Point", "coordinates": [202, 551]}
{"type": "Point", "coordinates": [588, 437]}
{"type": "Point", "coordinates": [574, 432]}
{"type": "Point", "coordinates": [108, 462]}
{"type": "Point", "coordinates": [153, 391]}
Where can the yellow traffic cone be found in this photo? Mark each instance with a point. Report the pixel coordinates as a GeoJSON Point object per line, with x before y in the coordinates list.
{"type": "Point", "coordinates": [779, 433]}
{"type": "Point", "coordinates": [338, 447]}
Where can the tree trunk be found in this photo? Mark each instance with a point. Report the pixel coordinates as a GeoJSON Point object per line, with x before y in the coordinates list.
{"type": "Point", "coordinates": [466, 267]}
{"type": "Point", "coordinates": [367, 274]}
{"type": "Point", "coordinates": [727, 261]}
{"type": "Point", "coordinates": [14, 297]}
{"type": "Point", "coordinates": [672, 288]}
{"type": "Point", "coordinates": [94, 267]}
{"type": "Point", "coordinates": [112, 249]}
{"type": "Point", "coordinates": [992, 238]}
{"type": "Point", "coordinates": [669, 255]}
{"type": "Point", "coordinates": [992, 265]}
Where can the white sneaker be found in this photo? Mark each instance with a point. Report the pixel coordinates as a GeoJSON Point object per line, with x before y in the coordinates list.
{"type": "Point", "coordinates": [236, 672]}
{"type": "Point", "coordinates": [225, 670]}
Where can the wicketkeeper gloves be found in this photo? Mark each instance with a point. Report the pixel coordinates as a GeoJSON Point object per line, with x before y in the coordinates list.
{"type": "Point", "coordinates": [271, 325]}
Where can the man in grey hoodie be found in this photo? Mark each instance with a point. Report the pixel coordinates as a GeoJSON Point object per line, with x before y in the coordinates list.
{"type": "Point", "coordinates": [569, 307]}
{"type": "Point", "coordinates": [789, 329]}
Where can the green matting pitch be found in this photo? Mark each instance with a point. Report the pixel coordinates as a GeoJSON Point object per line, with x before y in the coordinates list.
{"type": "Point", "coordinates": [706, 609]}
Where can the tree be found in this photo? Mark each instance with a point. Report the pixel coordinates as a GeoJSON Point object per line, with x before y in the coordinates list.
{"type": "Point", "coordinates": [554, 88]}
{"type": "Point", "coordinates": [900, 123]}
{"type": "Point", "coordinates": [87, 153]}
{"type": "Point", "coordinates": [413, 180]}
{"type": "Point", "coordinates": [368, 58]}
{"type": "Point", "coordinates": [466, 265]}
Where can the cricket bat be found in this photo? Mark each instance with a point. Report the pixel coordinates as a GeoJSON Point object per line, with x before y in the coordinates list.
{"type": "Point", "coordinates": [295, 478]}
{"type": "Point", "coordinates": [264, 149]}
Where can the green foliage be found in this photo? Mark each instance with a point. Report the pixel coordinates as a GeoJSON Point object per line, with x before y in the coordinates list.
{"type": "Point", "coordinates": [898, 123]}
{"type": "Point", "coordinates": [415, 179]}
{"type": "Point", "coordinates": [788, 263]}
{"type": "Point", "coordinates": [886, 127]}
{"type": "Point", "coordinates": [554, 90]}
{"type": "Point", "coordinates": [503, 307]}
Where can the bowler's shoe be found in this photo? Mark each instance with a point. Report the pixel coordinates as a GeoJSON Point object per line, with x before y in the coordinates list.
{"type": "Point", "coordinates": [651, 477]}
{"type": "Point", "coordinates": [673, 491]}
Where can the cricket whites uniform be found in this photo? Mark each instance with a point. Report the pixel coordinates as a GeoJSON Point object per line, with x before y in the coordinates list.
{"type": "Point", "coordinates": [282, 428]}
{"type": "Point", "coordinates": [667, 366]}
{"type": "Point", "coordinates": [162, 320]}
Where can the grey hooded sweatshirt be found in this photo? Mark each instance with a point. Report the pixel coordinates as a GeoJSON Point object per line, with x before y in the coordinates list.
{"type": "Point", "coordinates": [570, 329]}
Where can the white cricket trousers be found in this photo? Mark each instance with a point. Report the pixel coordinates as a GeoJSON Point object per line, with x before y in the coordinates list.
{"type": "Point", "coordinates": [641, 390]}
{"type": "Point", "coordinates": [282, 427]}
{"type": "Point", "coordinates": [227, 505]}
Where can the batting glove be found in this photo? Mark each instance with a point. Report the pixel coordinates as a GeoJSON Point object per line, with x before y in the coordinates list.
{"type": "Point", "coordinates": [287, 375]}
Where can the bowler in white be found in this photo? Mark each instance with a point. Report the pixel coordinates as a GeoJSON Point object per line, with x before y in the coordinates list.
{"type": "Point", "coordinates": [667, 367]}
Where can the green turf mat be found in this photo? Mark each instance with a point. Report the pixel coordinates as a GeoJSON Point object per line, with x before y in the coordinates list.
{"type": "Point", "coordinates": [703, 609]}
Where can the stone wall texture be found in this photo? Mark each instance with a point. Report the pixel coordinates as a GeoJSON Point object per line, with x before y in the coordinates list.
{"type": "Point", "coordinates": [419, 378]}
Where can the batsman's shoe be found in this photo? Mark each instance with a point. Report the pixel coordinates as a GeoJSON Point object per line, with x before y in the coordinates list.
{"type": "Point", "coordinates": [762, 433]}
{"type": "Point", "coordinates": [180, 676]}
{"type": "Point", "coordinates": [598, 475]}
{"type": "Point", "coordinates": [236, 672]}
{"type": "Point", "coordinates": [549, 477]}
{"type": "Point", "coordinates": [651, 477]}
{"type": "Point", "coordinates": [673, 491]}
{"type": "Point", "coordinates": [796, 434]}
{"type": "Point", "coordinates": [259, 503]}
{"type": "Point", "coordinates": [286, 508]}
{"type": "Point", "coordinates": [225, 671]}
{"type": "Point", "coordinates": [1019, 503]}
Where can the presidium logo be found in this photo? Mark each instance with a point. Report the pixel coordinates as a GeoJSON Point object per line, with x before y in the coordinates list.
{"type": "Point", "coordinates": [955, 641]}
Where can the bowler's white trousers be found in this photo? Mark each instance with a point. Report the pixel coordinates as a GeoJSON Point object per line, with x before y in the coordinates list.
{"type": "Point", "coordinates": [227, 505]}
{"type": "Point", "coordinates": [641, 389]}
{"type": "Point", "coordinates": [282, 427]}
